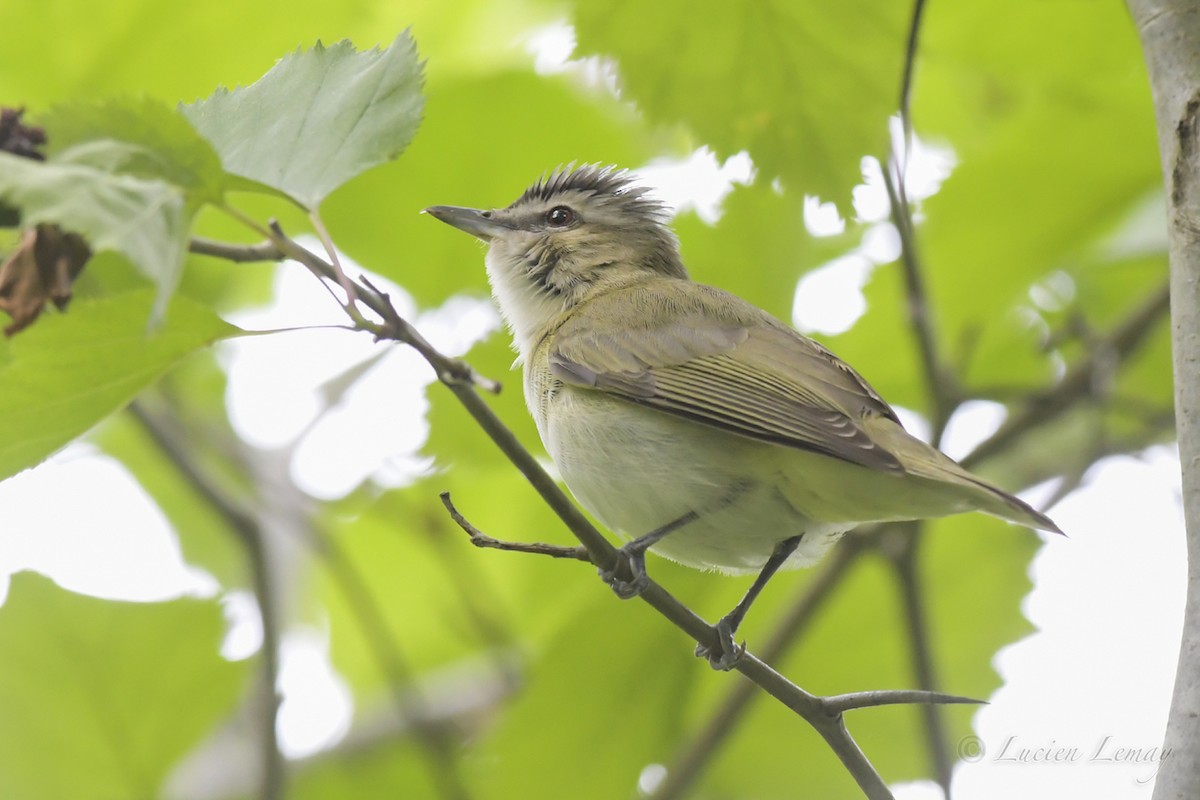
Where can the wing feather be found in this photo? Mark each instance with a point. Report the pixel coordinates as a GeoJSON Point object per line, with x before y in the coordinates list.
{"type": "Point", "coordinates": [715, 359]}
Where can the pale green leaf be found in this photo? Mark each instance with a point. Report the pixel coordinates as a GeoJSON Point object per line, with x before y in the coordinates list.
{"type": "Point", "coordinates": [603, 702]}
{"type": "Point", "coordinates": [1057, 145]}
{"type": "Point", "coordinates": [152, 142]}
{"type": "Point", "coordinates": [448, 164]}
{"type": "Point", "coordinates": [806, 88]}
{"type": "Point", "coordinates": [202, 532]}
{"type": "Point", "coordinates": [410, 554]}
{"type": "Point", "coordinates": [69, 371]}
{"type": "Point", "coordinates": [146, 220]}
{"type": "Point", "coordinates": [972, 568]}
{"type": "Point", "coordinates": [101, 698]}
{"type": "Point", "coordinates": [759, 248]}
{"type": "Point", "coordinates": [318, 118]}
{"type": "Point", "coordinates": [398, 767]}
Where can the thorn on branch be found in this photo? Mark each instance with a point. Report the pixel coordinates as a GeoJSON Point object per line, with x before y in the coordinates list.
{"type": "Point", "coordinates": [237, 253]}
{"type": "Point", "coordinates": [450, 371]}
{"type": "Point", "coordinates": [383, 306]}
{"type": "Point", "coordinates": [839, 703]}
{"type": "Point", "coordinates": [459, 372]}
{"type": "Point", "coordinates": [481, 539]}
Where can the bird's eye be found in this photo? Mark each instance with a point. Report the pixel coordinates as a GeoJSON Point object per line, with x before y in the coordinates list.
{"type": "Point", "coordinates": [560, 217]}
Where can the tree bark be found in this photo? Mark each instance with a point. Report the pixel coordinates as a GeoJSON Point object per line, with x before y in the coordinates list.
{"type": "Point", "coordinates": [1170, 37]}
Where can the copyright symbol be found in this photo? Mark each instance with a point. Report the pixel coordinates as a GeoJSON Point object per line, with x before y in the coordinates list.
{"type": "Point", "coordinates": [971, 749]}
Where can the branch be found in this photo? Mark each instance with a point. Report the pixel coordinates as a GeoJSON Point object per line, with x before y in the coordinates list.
{"type": "Point", "coordinates": [902, 548]}
{"type": "Point", "coordinates": [827, 711]}
{"type": "Point", "coordinates": [1081, 378]}
{"type": "Point", "coordinates": [281, 247]}
{"type": "Point", "coordinates": [686, 767]}
{"type": "Point", "coordinates": [895, 697]}
{"type": "Point", "coordinates": [910, 64]}
{"type": "Point", "coordinates": [457, 697]}
{"type": "Point", "coordinates": [482, 540]}
{"type": "Point", "coordinates": [1170, 36]}
{"type": "Point", "coordinates": [944, 392]}
{"type": "Point", "coordinates": [238, 253]}
{"type": "Point", "coordinates": [331, 251]}
{"type": "Point", "coordinates": [461, 381]}
{"type": "Point", "coordinates": [411, 705]}
{"type": "Point", "coordinates": [245, 526]}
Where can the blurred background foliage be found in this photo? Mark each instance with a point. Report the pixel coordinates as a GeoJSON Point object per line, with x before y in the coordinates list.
{"type": "Point", "coordinates": [510, 676]}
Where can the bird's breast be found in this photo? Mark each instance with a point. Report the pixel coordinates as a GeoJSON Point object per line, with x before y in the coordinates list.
{"type": "Point", "coordinates": [638, 468]}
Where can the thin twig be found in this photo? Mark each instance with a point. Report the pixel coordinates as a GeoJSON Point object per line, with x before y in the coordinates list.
{"type": "Point", "coordinates": [450, 371]}
{"type": "Point", "coordinates": [698, 753]}
{"type": "Point", "coordinates": [238, 253]}
{"type": "Point", "coordinates": [410, 703]}
{"type": "Point", "coordinates": [1117, 346]}
{"type": "Point", "coordinates": [895, 697]}
{"type": "Point", "coordinates": [280, 247]}
{"type": "Point", "coordinates": [910, 67]}
{"type": "Point", "coordinates": [902, 547]}
{"type": "Point", "coordinates": [457, 378]}
{"type": "Point", "coordinates": [944, 392]}
{"type": "Point", "coordinates": [331, 251]}
{"type": "Point", "coordinates": [481, 539]}
{"type": "Point", "coordinates": [472, 587]}
{"type": "Point", "coordinates": [245, 526]}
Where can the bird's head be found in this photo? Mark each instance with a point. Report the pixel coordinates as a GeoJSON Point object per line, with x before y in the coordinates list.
{"type": "Point", "coordinates": [573, 233]}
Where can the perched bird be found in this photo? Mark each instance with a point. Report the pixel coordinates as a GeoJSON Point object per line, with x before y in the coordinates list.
{"type": "Point", "coordinates": [682, 416]}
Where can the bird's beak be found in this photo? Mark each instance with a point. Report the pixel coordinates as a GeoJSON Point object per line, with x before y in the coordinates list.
{"type": "Point", "coordinates": [479, 224]}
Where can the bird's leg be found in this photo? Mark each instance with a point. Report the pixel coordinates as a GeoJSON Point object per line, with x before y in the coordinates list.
{"type": "Point", "coordinates": [631, 559]}
{"type": "Point", "coordinates": [728, 653]}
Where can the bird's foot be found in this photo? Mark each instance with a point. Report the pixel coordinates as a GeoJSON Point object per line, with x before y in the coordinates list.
{"type": "Point", "coordinates": [628, 576]}
{"type": "Point", "coordinates": [726, 655]}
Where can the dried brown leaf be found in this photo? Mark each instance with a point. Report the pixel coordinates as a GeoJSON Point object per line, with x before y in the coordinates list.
{"type": "Point", "coordinates": [40, 270]}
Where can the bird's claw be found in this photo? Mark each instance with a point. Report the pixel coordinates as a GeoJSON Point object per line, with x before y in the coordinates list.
{"type": "Point", "coordinates": [728, 653]}
{"type": "Point", "coordinates": [630, 563]}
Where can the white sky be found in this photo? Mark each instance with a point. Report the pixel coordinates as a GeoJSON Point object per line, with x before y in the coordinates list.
{"type": "Point", "coordinates": [1107, 602]}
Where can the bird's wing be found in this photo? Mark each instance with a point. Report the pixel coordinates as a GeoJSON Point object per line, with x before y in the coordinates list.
{"type": "Point", "coordinates": [715, 359]}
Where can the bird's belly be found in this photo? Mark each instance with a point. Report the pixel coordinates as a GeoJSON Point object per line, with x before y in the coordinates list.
{"type": "Point", "coordinates": [638, 469]}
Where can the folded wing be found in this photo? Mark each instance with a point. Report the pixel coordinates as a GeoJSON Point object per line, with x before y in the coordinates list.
{"type": "Point", "coordinates": [713, 358]}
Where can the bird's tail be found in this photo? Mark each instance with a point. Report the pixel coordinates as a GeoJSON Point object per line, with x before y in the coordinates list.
{"type": "Point", "coordinates": [999, 503]}
{"type": "Point", "coordinates": [923, 461]}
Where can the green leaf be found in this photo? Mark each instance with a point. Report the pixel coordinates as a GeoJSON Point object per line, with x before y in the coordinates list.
{"type": "Point", "coordinates": [153, 142]}
{"type": "Point", "coordinates": [396, 766]}
{"type": "Point", "coordinates": [409, 554]}
{"type": "Point", "coordinates": [759, 248]}
{"type": "Point", "coordinates": [68, 372]}
{"type": "Point", "coordinates": [100, 698]}
{"type": "Point", "coordinates": [806, 88]}
{"type": "Point", "coordinates": [971, 568]}
{"type": "Point", "coordinates": [445, 166]}
{"type": "Point", "coordinates": [202, 532]}
{"type": "Point", "coordinates": [317, 118]}
{"type": "Point", "coordinates": [625, 675]}
{"type": "Point", "coordinates": [1056, 147]}
{"type": "Point", "coordinates": [146, 220]}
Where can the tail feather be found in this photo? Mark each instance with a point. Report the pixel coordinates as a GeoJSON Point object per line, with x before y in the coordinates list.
{"type": "Point", "coordinates": [921, 460]}
{"type": "Point", "coordinates": [1012, 508]}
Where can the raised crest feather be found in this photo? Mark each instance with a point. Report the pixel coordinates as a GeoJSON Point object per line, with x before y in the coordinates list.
{"type": "Point", "coordinates": [597, 181]}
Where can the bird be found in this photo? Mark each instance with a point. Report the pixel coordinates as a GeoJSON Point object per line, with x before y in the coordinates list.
{"type": "Point", "coordinates": [686, 419]}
